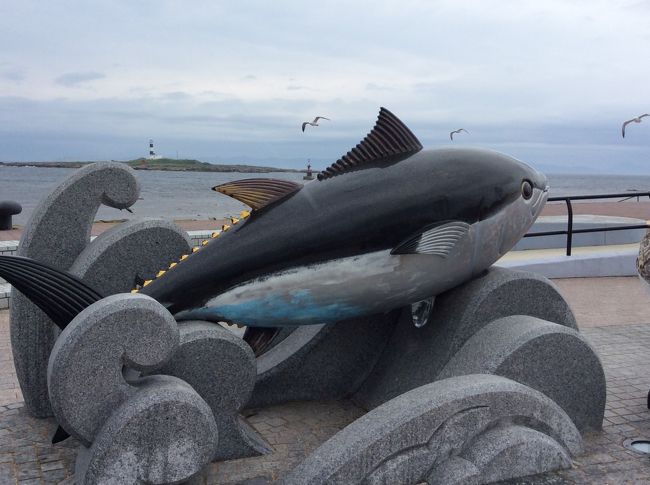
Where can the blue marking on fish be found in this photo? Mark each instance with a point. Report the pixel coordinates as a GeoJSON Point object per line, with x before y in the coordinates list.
{"type": "Point", "coordinates": [300, 309]}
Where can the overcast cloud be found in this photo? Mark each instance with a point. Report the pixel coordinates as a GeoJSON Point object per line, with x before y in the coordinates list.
{"type": "Point", "coordinates": [549, 82]}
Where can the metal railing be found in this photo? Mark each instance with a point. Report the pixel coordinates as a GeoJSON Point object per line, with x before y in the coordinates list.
{"type": "Point", "coordinates": [570, 231]}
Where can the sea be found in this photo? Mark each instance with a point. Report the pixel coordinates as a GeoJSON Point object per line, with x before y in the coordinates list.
{"type": "Point", "coordinates": [187, 195]}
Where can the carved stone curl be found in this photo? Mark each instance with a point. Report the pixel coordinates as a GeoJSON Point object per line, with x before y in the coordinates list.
{"type": "Point", "coordinates": [86, 369]}
{"type": "Point", "coordinates": [58, 230]}
{"type": "Point", "coordinates": [155, 429]}
{"type": "Point", "coordinates": [221, 368]}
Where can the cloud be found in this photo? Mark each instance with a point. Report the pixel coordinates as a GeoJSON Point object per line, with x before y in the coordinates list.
{"type": "Point", "coordinates": [541, 80]}
{"type": "Point", "coordinates": [378, 87]}
{"type": "Point", "coordinates": [72, 79]}
{"type": "Point", "coordinates": [13, 75]}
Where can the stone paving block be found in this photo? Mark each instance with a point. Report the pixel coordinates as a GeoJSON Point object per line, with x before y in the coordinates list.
{"type": "Point", "coordinates": [31, 481]}
{"type": "Point", "coordinates": [58, 477]}
{"type": "Point", "coordinates": [57, 232]}
{"type": "Point", "coordinates": [52, 465]}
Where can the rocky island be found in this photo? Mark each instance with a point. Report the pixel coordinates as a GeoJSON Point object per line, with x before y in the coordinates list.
{"type": "Point", "coordinates": [166, 164]}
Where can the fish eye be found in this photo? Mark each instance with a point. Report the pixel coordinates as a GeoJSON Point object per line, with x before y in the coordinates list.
{"type": "Point", "coordinates": [526, 189]}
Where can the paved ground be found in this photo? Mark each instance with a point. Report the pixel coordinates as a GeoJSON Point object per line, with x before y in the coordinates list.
{"type": "Point", "coordinates": [631, 208]}
{"type": "Point", "coordinates": [606, 301]}
{"type": "Point", "coordinates": [613, 313]}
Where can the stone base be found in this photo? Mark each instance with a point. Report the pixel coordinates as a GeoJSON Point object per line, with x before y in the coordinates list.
{"type": "Point", "coordinates": [416, 356]}
{"type": "Point", "coordinates": [321, 361]}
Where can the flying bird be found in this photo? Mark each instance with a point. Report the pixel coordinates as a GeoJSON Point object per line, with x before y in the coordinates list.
{"type": "Point", "coordinates": [314, 123]}
{"type": "Point", "coordinates": [451, 135]}
{"type": "Point", "coordinates": [633, 120]}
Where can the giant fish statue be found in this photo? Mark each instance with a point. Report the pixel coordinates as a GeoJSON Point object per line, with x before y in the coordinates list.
{"type": "Point", "coordinates": [386, 226]}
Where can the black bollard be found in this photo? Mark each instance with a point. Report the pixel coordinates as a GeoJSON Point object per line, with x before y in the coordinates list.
{"type": "Point", "coordinates": [8, 208]}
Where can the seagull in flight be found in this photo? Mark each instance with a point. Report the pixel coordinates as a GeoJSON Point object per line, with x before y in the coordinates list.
{"type": "Point", "coordinates": [314, 123]}
{"type": "Point", "coordinates": [451, 135]}
{"type": "Point", "coordinates": [633, 120]}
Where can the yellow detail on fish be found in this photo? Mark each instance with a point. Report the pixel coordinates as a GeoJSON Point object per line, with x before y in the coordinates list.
{"type": "Point", "coordinates": [172, 265]}
{"type": "Point", "coordinates": [205, 243]}
{"type": "Point", "coordinates": [225, 227]}
{"type": "Point", "coordinates": [184, 257]}
{"type": "Point", "coordinates": [146, 282]}
{"type": "Point", "coordinates": [195, 249]}
{"type": "Point", "coordinates": [215, 234]}
{"type": "Point", "coordinates": [234, 220]}
{"type": "Point", "coordinates": [244, 214]}
{"type": "Point", "coordinates": [160, 273]}
{"type": "Point", "coordinates": [135, 290]}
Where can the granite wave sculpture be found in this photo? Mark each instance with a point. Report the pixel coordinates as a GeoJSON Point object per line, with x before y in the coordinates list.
{"type": "Point", "coordinates": [387, 225]}
{"type": "Point", "coordinates": [468, 429]}
{"type": "Point", "coordinates": [483, 395]}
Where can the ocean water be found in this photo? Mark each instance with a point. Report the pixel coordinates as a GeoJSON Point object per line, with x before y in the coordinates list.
{"type": "Point", "coordinates": [187, 195]}
{"type": "Point", "coordinates": [170, 195]}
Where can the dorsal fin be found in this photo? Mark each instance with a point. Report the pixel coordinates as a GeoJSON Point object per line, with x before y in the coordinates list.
{"type": "Point", "coordinates": [389, 139]}
{"type": "Point", "coordinates": [258, 193]}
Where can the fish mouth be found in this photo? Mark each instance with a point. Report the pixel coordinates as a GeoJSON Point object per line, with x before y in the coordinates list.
{"type": "Point", "coordinates": [538, 200]}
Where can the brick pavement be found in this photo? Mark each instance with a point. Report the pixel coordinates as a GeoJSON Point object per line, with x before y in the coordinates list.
{"type": "Point", "coordinates": [622, 340]}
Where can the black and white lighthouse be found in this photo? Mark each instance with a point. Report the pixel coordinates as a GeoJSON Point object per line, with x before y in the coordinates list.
{"type": "Point", "coordinates": [152, 154]}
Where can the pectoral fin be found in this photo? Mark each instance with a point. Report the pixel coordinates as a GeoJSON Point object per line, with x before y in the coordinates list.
{"type": "Point", "coordinates": [438, 240]}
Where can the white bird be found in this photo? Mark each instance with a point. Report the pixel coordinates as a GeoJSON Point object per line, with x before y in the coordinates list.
{"type": "Point", "coordinates": [451, 135]}
{"type": "Point", "coordinates": [314, 123]}
{"type": "Point", "coordinates": [633, 120]}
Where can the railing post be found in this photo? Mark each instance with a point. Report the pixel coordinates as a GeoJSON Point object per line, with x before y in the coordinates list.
{"type": "Point", "coordinates": [569, 232]}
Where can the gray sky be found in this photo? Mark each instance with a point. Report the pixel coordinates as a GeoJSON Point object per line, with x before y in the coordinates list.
{"type": "Point", "coordinates": [548, 82]}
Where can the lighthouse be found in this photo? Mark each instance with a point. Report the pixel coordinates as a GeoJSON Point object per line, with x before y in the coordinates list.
{"type": "Point", "coordinates": [152, 154]}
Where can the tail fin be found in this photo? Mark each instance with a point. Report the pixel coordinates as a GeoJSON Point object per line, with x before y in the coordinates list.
{"type": "Point", "coordinates": [60, 295]}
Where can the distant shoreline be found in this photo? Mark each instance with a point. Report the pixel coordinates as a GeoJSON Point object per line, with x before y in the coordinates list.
{"type": "Point", "coordinates": [163, 164]}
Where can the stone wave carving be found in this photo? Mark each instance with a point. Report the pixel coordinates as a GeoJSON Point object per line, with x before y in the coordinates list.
{"type": "Point", "coordinates": [57, 232]}
{"type": "Point", "coordinates": [413, 437]}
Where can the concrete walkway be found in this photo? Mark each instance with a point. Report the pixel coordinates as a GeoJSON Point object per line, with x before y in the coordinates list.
{"type": "Point", "coordinates": [613, 313]}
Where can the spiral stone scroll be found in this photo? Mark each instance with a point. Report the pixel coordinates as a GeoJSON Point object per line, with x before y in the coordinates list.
{"type": "Point", "coordinates": [57, 232]}
{"type": "Point", "coordinates": [130, 252]}
{"type": "Point", "coordinates": [163, 434]}
{"type": "Point", "coordinates": [155, 429]}
{"type": "Point", "coordinates": [85, 373]}
{"type": "Point", "coordinates": [221, 368]}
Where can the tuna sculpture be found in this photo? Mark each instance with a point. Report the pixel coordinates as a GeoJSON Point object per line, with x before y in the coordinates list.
{"type": "Point", "coordinates": [386, 226]}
